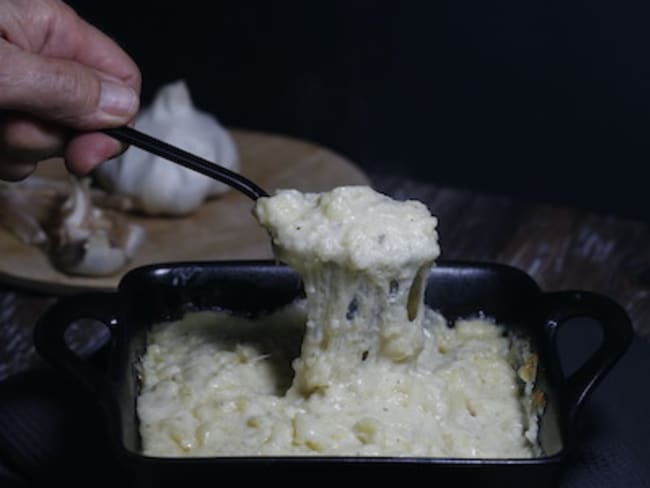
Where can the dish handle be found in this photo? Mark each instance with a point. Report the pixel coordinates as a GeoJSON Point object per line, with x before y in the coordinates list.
{"type": "Point", "coordinates": [50, 340]}
{"type": "Point", "coordinates": [617, 333]}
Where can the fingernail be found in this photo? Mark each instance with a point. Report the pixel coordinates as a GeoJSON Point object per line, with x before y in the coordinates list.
{"type": "Point", "coordinates": [116, 99]}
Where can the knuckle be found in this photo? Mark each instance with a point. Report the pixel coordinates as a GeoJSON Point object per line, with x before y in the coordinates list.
{"type": "Point", "coordinates": [77, 92]}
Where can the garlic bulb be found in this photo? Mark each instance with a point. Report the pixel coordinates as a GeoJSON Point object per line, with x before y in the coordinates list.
{"type": "Point", "coordinates": [161, 187]}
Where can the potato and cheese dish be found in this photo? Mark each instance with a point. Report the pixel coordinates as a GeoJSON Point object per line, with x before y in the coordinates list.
{"type": "Point", "coordinates": [360, 368]}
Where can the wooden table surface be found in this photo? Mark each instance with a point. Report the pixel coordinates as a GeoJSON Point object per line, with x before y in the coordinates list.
{"type": "Point", "coordinates": [561, 248]}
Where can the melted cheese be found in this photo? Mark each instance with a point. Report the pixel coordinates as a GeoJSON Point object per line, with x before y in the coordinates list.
{"type": "Point", "coordinates": [361, 368]}
{"type": "Point", "coordinates": [217, 385]}
{"type": "Point", "coordinates": [363, 258]}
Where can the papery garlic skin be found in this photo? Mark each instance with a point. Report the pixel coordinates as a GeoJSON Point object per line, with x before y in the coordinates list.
{"type": "Point", "coordinates": [85, 240]}
{"type": "Point", "coordinates": [156, 185]}
{"type": "Point", "coordinates": [81, 229]}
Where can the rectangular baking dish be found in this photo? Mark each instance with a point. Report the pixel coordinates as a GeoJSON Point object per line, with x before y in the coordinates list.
{"type": "Point", "coordinates": [156, 293]}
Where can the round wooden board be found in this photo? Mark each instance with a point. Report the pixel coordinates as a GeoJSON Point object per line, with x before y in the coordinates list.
{"type": "Point", "coordinates": [221, 229]}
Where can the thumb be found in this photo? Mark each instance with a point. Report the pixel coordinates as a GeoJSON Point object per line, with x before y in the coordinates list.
{"type": "Point", "coordinates": [63, 91]}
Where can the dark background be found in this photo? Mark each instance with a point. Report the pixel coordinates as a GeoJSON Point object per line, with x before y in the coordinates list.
{"type": "Point", "coordinates": [542, 100]}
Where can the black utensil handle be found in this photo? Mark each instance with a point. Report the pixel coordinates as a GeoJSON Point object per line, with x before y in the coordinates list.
{"type": "Point", "coordinates": [187, 160]}
{"type": "Point", "coordinates": [617, 333]}
{"type": "Point", "coordinates": [49, 334]}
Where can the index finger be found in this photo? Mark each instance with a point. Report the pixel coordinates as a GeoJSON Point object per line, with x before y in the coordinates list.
{"type": "Point", "coordinates": [86, 44]}
{"type": "Point", "coordinates": [52, 28]}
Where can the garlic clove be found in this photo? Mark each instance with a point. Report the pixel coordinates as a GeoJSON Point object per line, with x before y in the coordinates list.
{"type": "Point", "coordinates": [25, 205]}
{"type": "Point", "coordinates": [86, 240]}
{"type": "Point", "coordinates": [94, 256]}
{"type": "Point", "coordinates": [81, 229]}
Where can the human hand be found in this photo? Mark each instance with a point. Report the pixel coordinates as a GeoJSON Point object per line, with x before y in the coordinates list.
{"type": "Point", "coordinates": [61, 80]}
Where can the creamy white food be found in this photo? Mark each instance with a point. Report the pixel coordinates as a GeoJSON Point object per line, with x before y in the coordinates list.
{"type": "Point", "coordinates": [365, 369]}
{"type": "Point", "coordinates": [363, 258]}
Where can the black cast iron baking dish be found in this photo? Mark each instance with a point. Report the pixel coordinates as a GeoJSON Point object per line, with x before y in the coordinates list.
{"type": "Point", "coordinates": [161, 292]}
